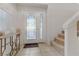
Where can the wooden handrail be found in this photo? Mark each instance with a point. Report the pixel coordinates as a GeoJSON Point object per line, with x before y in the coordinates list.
{"type": "Point", "coordinates": [15, 45]}
{"type": "Point", "coordinates": [15, 49]}
{"type": "Point", "coordinates": [2, 45]}
{"type": "Point", "coordinates": [70, 20]}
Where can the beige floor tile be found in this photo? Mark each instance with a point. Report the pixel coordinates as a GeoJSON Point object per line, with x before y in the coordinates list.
{"type": "Point", "coordinates": [30, 52]}
{"type": "Point", "coordinates": [42, 50]}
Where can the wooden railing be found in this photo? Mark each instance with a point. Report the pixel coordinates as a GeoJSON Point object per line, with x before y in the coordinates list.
{"type": "Point", "coordinates": [2, 43]}
{"type": "Point", "coordinates": [13, 44]}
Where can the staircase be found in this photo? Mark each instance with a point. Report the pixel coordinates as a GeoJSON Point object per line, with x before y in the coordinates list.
{"type": "Point", "coordinates": [58, 43]}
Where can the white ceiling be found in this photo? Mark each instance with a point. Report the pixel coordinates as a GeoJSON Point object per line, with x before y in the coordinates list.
{"type": "Point", "coordinates": [39, 5]}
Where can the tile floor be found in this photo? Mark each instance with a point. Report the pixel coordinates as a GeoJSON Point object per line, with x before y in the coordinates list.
{"type": "Point", "coordinates": [42, 50]}
{"type": "Point", "coordinates": [47, 50]}
{"type": "Point", "coordinates": [30, 52]}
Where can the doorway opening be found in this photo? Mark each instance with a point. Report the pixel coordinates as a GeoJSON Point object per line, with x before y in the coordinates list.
{"type": "Point", "coordinates": [34, 26]}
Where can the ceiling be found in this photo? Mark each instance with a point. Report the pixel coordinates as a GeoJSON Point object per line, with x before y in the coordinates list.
{"type": "Point", "coordinates": [39, 5]}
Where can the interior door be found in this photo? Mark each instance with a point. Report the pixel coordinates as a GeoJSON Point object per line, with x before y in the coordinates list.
{"type": "Point", "coordinates": [34, 27]}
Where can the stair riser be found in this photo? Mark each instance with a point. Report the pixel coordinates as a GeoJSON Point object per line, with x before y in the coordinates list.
{"type": "Point", "coordinates": [61, 36]}
{"type": "Point", "coordinates": [60, 42]}
{"type": "Point", "coordinates": [60, 50]}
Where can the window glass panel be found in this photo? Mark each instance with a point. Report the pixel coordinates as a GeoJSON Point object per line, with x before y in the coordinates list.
{"type": "Point", "coordinates": [31, 27]}
{"type": "Point", "coordinates": [41, 19]}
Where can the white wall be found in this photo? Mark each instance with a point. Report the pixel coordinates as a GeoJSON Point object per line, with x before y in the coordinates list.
{"type": "Point", "coordinates": [10, 16]}
{"type": "Point", "coordinates": [23, 11]}
{"type": "Point", "coordinates": [71, 39]}
{"type": "Point", "coordinates": [57, 15]}
{"type": "Point", "coordinates": [11, 11]}
{"type": "Point", "coordinates": [10, 8]}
